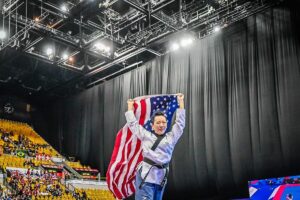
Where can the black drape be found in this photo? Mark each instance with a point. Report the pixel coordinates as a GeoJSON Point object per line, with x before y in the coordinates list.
{"type": "Point", "coordinates": [242, 93]}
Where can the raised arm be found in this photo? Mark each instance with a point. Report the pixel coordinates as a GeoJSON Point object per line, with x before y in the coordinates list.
{"type": "Point", "coordinates": [130, 105]}
{"type": "Point", "coordinates": [179, 125]}
{"type": "Point", "coordinates": [180, 99]}
{"type": "Point", "coordinates": [132, 123]}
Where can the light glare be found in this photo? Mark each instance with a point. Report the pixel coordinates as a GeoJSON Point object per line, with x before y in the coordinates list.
{"type": "Point", "coordinates": [174, 46]}
{"type": "Point", "coordinates": [186, 41]}
{"type": "Point", "coordinates": [217, 29]}
{"type": "Point", "coordinates": [64, 8]}
{"type": "Point", "coordinates": [65, 56]}
{"type": "Point", "coordinates": [49, 51]}
{"type": "Point", "coordinates": [2, 34]}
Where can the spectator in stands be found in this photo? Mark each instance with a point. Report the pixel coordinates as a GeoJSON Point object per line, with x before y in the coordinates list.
{"type": "Point", "coordinates": [84, 196]}
{"type": "Point", "coordinates": [1, 150]}
{"type": "Point", "coordinates": [1, 191]}
{"type": "Point", "coordinates": [6, 148]}
{"type": "Point", "coordinates": [152, 173]}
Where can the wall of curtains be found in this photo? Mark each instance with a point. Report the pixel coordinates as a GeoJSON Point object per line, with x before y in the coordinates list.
{"type": "Point", "coordinates": [242, 88]}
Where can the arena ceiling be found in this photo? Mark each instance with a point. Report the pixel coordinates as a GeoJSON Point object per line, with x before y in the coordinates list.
{"type": "Point", "coordinates": [56, 47]}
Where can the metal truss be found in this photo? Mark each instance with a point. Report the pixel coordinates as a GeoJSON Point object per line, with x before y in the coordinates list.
{"type": "Point", "coordinates": [8, 4]}
{"type": "Point", "coordinates": [207, 15]}
{"type": "Point", "coordinates": [29, 25]}
{"type": "Point", "coordinates": [40, 26]}
{"type": "Point", "coordinates": [199, 15]}
{"type": "Point", "coordinates": [149, 21]}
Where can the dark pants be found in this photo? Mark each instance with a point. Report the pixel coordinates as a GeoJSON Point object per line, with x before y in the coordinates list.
{"type": "Point", "coordinates": [148, 191]}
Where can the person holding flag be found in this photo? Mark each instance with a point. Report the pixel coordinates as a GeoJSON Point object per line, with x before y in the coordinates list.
{"type": "Point", "coordinates": [157, 146]}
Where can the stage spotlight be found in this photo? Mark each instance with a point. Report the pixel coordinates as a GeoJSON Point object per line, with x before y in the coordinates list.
{"type": "Point", "coordinates": [99, 46]}
{"type": "Point", "coordinates": [174, 46]}
{"type": "Point", "coordinates": [65, 56]}
{"type": "Point", "coordinates": [37, 19]}
{"type": "Point", "coordinates": [2, 34]}
{"type": "Point", "coordinates": [64, 8]}
{"type": "Point", "coordinates": [102, 48]}
{"type": "Point", "coordinates": [107, 49]}
{"type": "Point", "coordinates": [71, 59]}
{"type": "Point", "coordinates": [186, 41]}
{"type": "Point", "coordinates": [49, 51]}
{"type": "Point", "coordinates": [217, 28]}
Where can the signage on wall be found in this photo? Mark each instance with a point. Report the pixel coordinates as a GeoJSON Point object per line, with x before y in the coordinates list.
{"type": "Point", "coordinates": [8, 108]}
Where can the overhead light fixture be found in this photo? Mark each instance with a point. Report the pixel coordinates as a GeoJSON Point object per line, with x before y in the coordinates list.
{"type": "Point", "coordinates": [174, 46]}
{"type": "Point", "coordinates": [37, 19]}
{"type": "Point", "coordinates": [99, 46]}
{"type": "Point", "coordinates": [107, 49]}
{"type": "Point", "coordinates": [2, 34]}
{"type": "Point", "coordinates": [217, 28]}
{"type": "Point", "coordinates": [71, 59]}
{"type": "Point", "coordinates": [186, 41]}
{"type": "Point", "coordinates": [64, 8]}
{"type": "Point", "coordinates": [65, 56]}
{"type": "Point", "coordinates": [49, 51]}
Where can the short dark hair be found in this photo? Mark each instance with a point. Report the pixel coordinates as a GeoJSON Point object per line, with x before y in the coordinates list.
{"type": "Point", "coordinates": [157, 113]}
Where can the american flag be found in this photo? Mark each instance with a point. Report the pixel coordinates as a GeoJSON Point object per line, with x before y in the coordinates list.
{"type": "Point", "coordinates": [127, 153]}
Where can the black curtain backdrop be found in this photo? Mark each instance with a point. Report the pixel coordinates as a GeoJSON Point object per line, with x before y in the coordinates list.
{"type": "Point", "coordinates": [242, 88]}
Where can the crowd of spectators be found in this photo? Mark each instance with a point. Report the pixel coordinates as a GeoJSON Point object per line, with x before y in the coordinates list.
{"type": "Point", "coordinates": [35, 183]}
{"type": "Point", "coordinates": [23, 156]}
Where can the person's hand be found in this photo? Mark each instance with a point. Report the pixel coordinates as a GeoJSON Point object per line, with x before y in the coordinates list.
{"type": "Point", "coordinates": [180, 98]}
{"type": "Point", "coordinates": [130, 104]}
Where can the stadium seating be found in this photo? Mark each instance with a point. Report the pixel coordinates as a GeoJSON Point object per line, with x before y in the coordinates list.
{"type": "Point", "coordinates": [22, 148]}
{"type": "Point", "coordinates": [96, 194]}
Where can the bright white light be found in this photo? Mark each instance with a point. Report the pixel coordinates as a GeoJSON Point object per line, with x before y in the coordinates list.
{"type": "Point", "coordinates": [64, 8]}
{"type": "Point", "coordinates": [65, 56]}
{"type": "Point", "coordinates": [99, 46]}
{"type": "Point", "coordinates": [49, 51]}
{"type": "Point", "coordinates": [174, 46]}
{"type": "Point", "coordinates": [186, 41]}
{"type": "Point", "coordinates": [2, 34]}
{"type": "Point", "coordinates": [107, 49]}
{"type": "Point", "coordinates": [217, 29]}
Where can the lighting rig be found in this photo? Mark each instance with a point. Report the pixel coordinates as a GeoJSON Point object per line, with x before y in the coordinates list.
{"type": "Point", "coordinates": [91, 36]}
